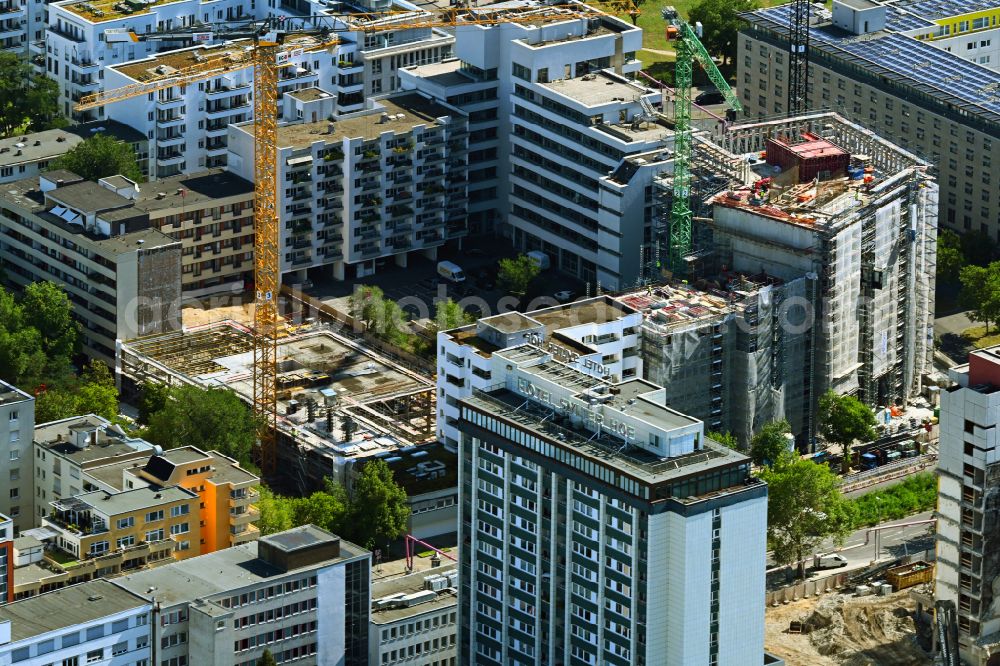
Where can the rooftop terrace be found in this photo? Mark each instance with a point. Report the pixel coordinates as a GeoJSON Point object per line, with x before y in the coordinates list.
{"type": "Point", "coordinates": [598, 89]}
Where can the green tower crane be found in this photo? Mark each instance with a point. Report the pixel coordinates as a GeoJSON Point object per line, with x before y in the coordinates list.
{"type": "Point", "coordinates": [689, 49]}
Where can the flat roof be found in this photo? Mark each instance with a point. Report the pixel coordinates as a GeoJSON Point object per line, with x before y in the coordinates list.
{"type": "Point", "coordinates": [310, 94]}
{"type": "Point", "coordinates": [214, 574]}
{"type": "Point", "coordinates": [411, 584]}
{"type": "Point", "coordinates": [936, 10]}
{"type": "Point", "coordinates": [88, 197]}
{"type": "Point", "coordinates": [10, 394]}
{"type": "Point", "coordinates": [169, 62]}
{"type": "Point", "coordinates": [596, 310]}
{"type": "Point", "coordinates": [190, 190]}
{"type": "Point", "coordinates": [68, 607]}
{"type": "Point", "coordinates": [299, 538]}
{"type": "Point", "coordinates": [901, 59]}
{"type": "Point", "coordinates": [416, 110]}
{"type": "Point", "coordinates": [603, 449]}
{"type": "Point", "coordinates": [597, 89]}
{"type": "Point", "coordinates": [510, 322]}
{"type": "Point", "coordinates": [112, 128]}
{"type": "Point", "coordinates": [136, 499]}
{"type": "Point", "coordinates": [445, 73]}
{"type": "Point", "coordinates": [861, 4]}
{"type": "Point", "coordinates": [98, 11]}
{"type": "Point", "coordinates": [36, 146]}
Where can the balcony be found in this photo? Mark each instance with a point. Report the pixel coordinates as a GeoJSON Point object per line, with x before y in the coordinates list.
{"type": "Point", "coordinates": [170, 140]}
{"type": "Point", "coordinates": [247, 515]}
{"type": "Point", "coordinates": [221, 110]}
{"type": "Point", "coordinates": [217, 127]}
{"type": "Point", "coordinates": [164, 120]}
{"type": "Point", "coordinates": [169, 158]}
{"type": "Point", "coordinates": [348, 65]}
{"type": "Point", "coordinates": [169, 102]}
{"type": "Point", "coordinates": [9, 8]}
{"type": "Point", "coordinates": [222, 91]}
{"type": "Point", "coordinates": [246, 533]}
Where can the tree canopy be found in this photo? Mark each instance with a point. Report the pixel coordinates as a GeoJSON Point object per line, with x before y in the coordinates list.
{"type": "Point", "coordinates": [770, 445]}
{"type": "Point", "coordinates": [449, 314]}
{"type": "Point", "coordinates": [266, 659]}
{"type": "Point", "coordinates": [720, 24]}
{"type": "Point", "coordinates": [843, 419]}
{"type": "Point", "coordinates": [28, 101]}
{"type": "Point", "coordinates": [804, 507]}
{"type": "Point", "coordinates": [375, 512]}
{"type": "Point", "coordinates": [38, 337]}
{"type": "Point", "coordinates": [630, 7]}
{"type": "Point", "coordinates": [379, 509]}
{"type": "Point", "coordinates": [727, 439]}
{"type": "Point", "coordinates": [516, 274]}
{"type": "Point", "coordinates": [208, 418]}
{"type": "Point", "coordinates": [94, 392]}
{"type": "Point", "coordinates": [100, 156]}
{"type": "Point", "coordinates": [981, 292]}
{"type": "Point", "coordinates": [949, 256]}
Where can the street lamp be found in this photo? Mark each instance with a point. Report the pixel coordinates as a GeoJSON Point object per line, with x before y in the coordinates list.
{"type": "Point", "coordinates": [878, 522]}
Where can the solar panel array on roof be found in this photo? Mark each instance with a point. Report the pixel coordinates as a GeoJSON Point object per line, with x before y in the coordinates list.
{"type": "Point", "coordinates": [896, 19]}
{"type": "Point", "coordinates": [903, 59]}
{"type": "Point", "coordinates": [939, 9]}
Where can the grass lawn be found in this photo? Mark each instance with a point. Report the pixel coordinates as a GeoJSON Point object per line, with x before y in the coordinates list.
{"type": "Point", "coordinates": [60, 557]}
{"type": "Point", "coordinates": [654, 30]}
{"type": "Point", "coordinates": [977, 336]}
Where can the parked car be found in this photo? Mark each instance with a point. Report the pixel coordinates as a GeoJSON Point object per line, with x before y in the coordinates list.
{"type": "Point", "coordinates": [564, 296]}
{"type": "Point", "coordinates": [710, 97]}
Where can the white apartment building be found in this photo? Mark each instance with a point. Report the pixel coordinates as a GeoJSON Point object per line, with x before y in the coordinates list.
{"type": "Point", "coordinates": [93, 623]}
{"type": "Point", "coordinates": [378, 184]}
{"type": "Point", "coordinates": [414, 619]}
{"type": "Point", "coordinates": [17, 422]}
{"type": "Point", "coordinates": [303, 594]}
{"type": "Point", "coordinates": [967, 529]}
{"type": "Point", "coordinates": [582, 495]}
{"type": "Point", "coordinates": [123, 282]}
{"type": "Point", "coordinates": [558, 90]}
{"type": "Point", "coordinates": [13, 33]}
{"type": "Point", "coordinates": [598, 336]}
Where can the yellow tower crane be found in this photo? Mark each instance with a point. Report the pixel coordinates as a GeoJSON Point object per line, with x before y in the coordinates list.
{"type": "Point", "coordinates": [267, 38]}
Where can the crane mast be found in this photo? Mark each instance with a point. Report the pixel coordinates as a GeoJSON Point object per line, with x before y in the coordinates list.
{"type": "Point", "coordinates": [689, 49]}
{"type": "Point", "coordinates": [798, 57]}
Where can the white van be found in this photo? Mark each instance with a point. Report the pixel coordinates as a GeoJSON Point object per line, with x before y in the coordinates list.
{"type": "Point", "coordinates": [831, 561]}
{"type": "Point", "coordinates": [451, 271]}
{"type": "Point", "coordinates": [539, 259]}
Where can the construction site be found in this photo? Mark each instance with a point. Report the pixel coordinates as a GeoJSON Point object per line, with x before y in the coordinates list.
{"type": "Point", "coordinates": [811, 267]}
{"type": "Point", "coordinates": [338, 402]}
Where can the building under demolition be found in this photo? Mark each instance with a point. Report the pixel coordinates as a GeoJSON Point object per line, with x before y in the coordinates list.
{"type": "Point", "coordinates": [814, 266]}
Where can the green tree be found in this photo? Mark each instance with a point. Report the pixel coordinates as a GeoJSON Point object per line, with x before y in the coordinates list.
{"type": "Point", "coordinates": [804, 507]}
{"type": "Point", "coordinates": [978, 248]}
{"type": "Point", "coordinates": [100, 156]}
{"type": "Point", "coordinates": [629, 7]}
{"type": "Point", "coordinates": [152, 398]}
{"type": "Point", "coordinates": [721, 24]}
{"type": "Point", "coordinates": [379, 510]}
{"type": "Point", "coordinates": [366, 305]}
{"type": "Point", "coordinates": [327, 508]}
{"type": "Point", "coordinates": [22, 356]}
{"type": "Point", "coordinates": [981, 292]}
{"type": "Point", "coordinates": [843, 419]}
{"type": "Point", "coordinates": [47, 308]}
{"type": "Point", "coordinates": [28, 101]}
{"type": "Point", "coordinates": [727, 439]}
{"type": "Point", "coordinates": [266, 659]}
{"type": "Point", "coordinates": [949, 256]}
{"type": "Point", "coordinates": [770, 445]}
{"type": "Point", "coordinates": [391, 324]}
{"type": "Point", "coordinates": [94, 392]}
{"type": "Point", "coordinates": [448, 314]}
{"type": "Point", "coordinates": [276, 512]}
{"type": "Point", "coordinates": [208, 418]}
{"type": "Point", "coordinates": [516, 274]}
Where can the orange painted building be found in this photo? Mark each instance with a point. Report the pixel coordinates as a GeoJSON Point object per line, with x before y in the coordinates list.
{"type": "Point", "coordinates": [227, 492]}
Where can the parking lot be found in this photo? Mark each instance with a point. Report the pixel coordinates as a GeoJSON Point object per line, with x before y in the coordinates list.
{"type": "Point", "coordinates": [418, 286]}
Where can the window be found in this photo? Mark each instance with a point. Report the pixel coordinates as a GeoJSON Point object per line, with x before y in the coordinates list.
{"type": "Point", "coordinates": [154, 516]}
{"type": "Point", "coordinates": [119, 648]}
{"type": "Point", "coordinates": [15, 493]}
{"type": "Point", "coordinates": [125, 523]}
{"type": "Point", "coordinates": [181, 528]}
{"type": "Point", "coordinates": [95, 655]}
{"type": "Point", "coordinates": [155, 535]}
{"type": "Point", "coordinates": [15, 454]}
{"type": "Point", "coordinates": [125, 542]}
{"type": "Point", "coordinates": [181, 510]}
